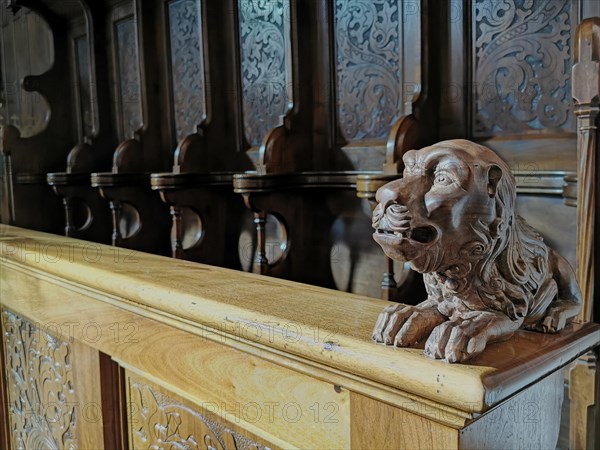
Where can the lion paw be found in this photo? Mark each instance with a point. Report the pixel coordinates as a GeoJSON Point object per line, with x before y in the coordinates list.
{"type": "Point", "coordinates": [555, 320]}
{"type": "Point", "coordinates": [403, 326]}
{"type": "Point", "coordinates": [462, 339]}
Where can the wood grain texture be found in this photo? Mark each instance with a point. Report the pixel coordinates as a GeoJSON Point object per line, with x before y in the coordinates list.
{"type": "Point", "coordinates": [380, 426]}
{"type": "Point", "coordinates": [325, 328]}
{"type": "Point", "coordinates": [86, 375]}
{"type": "Point", "coordinates": [586, 88]}
{"type": "Point", "coordinates": [299, 409]}
{"type": "Point", "coordinates": [529, 420]}
{"type": "Point", "coordinates": [583, 396]}
{"type": "Point", "coordinates": [157, 417]}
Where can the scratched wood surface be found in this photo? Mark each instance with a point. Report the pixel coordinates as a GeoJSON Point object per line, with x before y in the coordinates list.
{"type": "Point", "coordinates": [315, 324]}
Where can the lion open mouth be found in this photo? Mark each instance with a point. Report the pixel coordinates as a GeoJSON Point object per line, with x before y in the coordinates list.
{"type": "Point", "coordinates": [424, 235]}
{"type": "Point", "coordinates": [393, 221]}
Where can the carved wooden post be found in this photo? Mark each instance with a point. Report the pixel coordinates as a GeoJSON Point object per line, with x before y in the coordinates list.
{"type": "Point", "coordinates": [177, 244]}
{"type": "Point", "coordinates": [583, 387]}
{"type": "Point", "coordinates": [69, 227]}
{"type": "Point", "coordinates": [115, 209]}
{"type": "Point", "coordinates": [261, 263]}
{"type": "Point", "coordinates": [389, 287]}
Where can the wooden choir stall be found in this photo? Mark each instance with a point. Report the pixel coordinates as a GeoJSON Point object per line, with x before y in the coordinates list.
{"type": "Point", "coordinates": [187, 195]}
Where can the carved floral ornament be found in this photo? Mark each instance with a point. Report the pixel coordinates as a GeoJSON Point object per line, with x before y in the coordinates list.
{"type": "Point", "coordinates": [368, 66]}
{"type": "Point", "coordinates": [486, 271]}
{"type": "Point", "coordinates": [264, 42]}
{"type": "Point", "coordinates": [158, 422]}
{"type": "Point", "coordinates": [41, 391]}
{"type": "Point", "coordinates": [522, 57]}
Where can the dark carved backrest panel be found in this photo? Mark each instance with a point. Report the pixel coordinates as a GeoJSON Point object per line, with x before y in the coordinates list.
{"type": "Point", "coordinates": [522, 60]}
{"type": "Point", "coordinates": [508, 85]}
{"type": "Point", "coordinates": [136, 95]}
{"type": "Point", "coordinates": [187, 65]}
{"type": "Point", "coordinates": [380, 72]}
{"type": "Point", "coordinates": [126, 56]}
{"type": "Point", "coordinates": [368, 67]}
{"type": "Point", "coordinates": [266, 71]}
{"type": "Point", "coordinates": [85, 113]}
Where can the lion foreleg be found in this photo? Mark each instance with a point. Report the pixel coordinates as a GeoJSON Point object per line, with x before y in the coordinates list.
{"type": "Point", "coordinates": [464, 338]}
{"type": "Point", "coordinates": [403, 326]}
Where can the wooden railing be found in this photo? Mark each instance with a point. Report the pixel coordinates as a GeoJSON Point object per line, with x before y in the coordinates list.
{"type": "Point", "coordinates": [111, 348]}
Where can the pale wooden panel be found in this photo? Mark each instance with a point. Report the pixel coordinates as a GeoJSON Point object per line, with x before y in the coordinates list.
{"type": "Point", "coordinates": [158, 418]}
{"type": "Point", "coordinates": [529, 420]}
{"type": "Point", "coordinates": [328, 328]}
{"type": "Point", "coordinates": [86, 377]}
{"type": "Point", "coordinates": [583, 395]}
{"type": "Point", "coordinates": [380, 426]}
{"type": "Point", "coordinates": [300, 410]}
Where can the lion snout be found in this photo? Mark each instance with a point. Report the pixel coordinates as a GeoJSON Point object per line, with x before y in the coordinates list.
{"type": "Point", "coordinates": [392, 217]}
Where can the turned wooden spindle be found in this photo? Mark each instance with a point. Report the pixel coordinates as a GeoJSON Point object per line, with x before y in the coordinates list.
{"type": "Point", "coordinates": [115, 209]}
{"type": "Point", "coordinates": [261, 263]}
{"type": "Point", "coordinates": [389, 287]}
{"type": "Point", "coordinates": [69, 227]}
{"type": "Point", "coordinates": [177, 243]}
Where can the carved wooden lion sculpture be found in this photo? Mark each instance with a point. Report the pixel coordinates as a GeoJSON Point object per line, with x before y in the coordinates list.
{"type": "Point", "coordinates": [487, 273]}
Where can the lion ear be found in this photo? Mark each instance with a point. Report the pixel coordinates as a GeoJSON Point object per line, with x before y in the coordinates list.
{"type": "Point", "coordinates": [494, 176]}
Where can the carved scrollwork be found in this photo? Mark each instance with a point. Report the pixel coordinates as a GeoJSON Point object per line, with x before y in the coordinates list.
{"type": "Point", "coordinates": [41, 391]}
{"type": "Point", "coordinates": [130, 97]}
{"type": "Point", "coordinates": [158, 421]}
{"type": "Point", "coordinates": [522, 62]}
{"type": "Point", "coordinates": [367, 67]}
{"type": "Point", "coordinates": [266, 77]}
{"type": "Point", "coordinates": [84, 91]}
{"type": "Point", "coordinates": [187, 65]}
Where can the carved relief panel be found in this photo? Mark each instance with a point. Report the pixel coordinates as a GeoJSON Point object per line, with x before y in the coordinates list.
{"type": "Point", "coordinates": [266, 74]}
{"type": "Point", "coordinates": [83, 91]}
{"type": "Point", "coordinates": [368, 67]}
{"type": "Point", "coordinates": [41, 388]}
{"type": "Point", "coordinates": [187, 65]}
{"type": "Point", "coordinates": [127, 73]}
{"type": "Point", "coordinates": [158, 420]}
{"type": "Point", "coordinates": [521, 66]}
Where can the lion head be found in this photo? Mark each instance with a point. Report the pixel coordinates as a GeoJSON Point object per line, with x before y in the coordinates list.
{"type": "Point", "coordinates": [452, 214]}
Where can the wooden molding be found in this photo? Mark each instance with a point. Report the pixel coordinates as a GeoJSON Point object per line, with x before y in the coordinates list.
{"type": "Point", "coordinates": [216, 296]}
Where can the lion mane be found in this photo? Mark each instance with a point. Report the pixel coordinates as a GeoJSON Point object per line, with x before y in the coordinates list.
{"type": "Point", "coordinates": [513, 269]}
